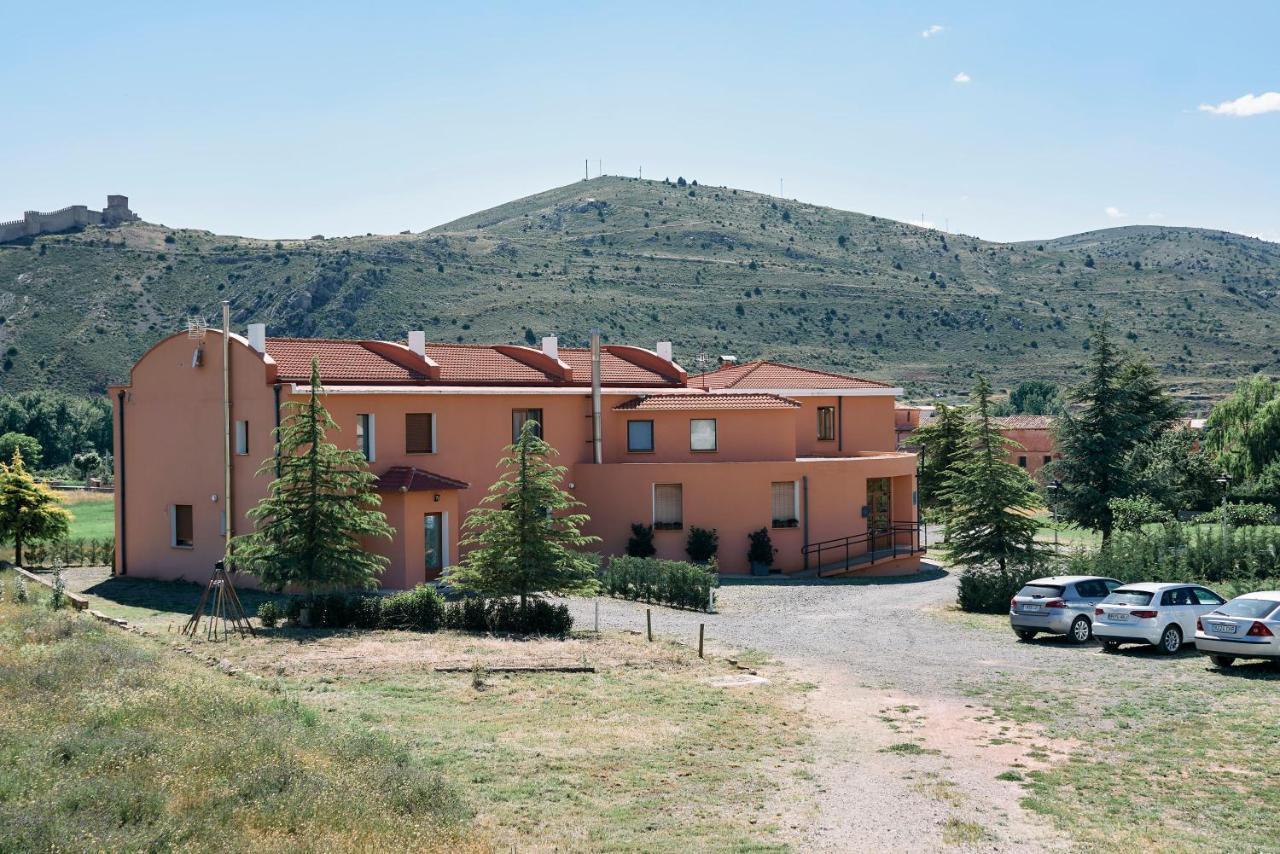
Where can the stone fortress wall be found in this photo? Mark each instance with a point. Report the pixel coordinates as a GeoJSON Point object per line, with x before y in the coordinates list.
{"type": "Point", "coordinates": [75, 216]}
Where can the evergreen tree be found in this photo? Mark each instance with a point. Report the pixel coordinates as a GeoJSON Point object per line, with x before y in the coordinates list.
{"type": "Point", "coordinates": [29, 510]}
{"type": "Point", "coordinates": [1120, 405]}
{"type": "Point", "coordinates": [319, 508]}
{"type": "Point", "coordinates": [940, 442]}
{"type": "Point", "coordinates": [524, 536]}
{"type": "Point", "coordinates": [990, 499]}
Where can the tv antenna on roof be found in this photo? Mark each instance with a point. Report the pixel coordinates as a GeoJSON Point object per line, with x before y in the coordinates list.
{"type": "Point", "coordinates": [701, 361]}
{"type": "Point", "coordinates": [196, 328]}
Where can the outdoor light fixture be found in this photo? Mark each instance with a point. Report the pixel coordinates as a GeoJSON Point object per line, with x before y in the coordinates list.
{"type": "Point", "coordinates": [436, 497]}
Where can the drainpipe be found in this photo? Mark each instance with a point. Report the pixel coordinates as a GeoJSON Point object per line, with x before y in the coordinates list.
{"type": "Point", "coordinates": [276, 389]}
{"type": "Point", "coordinates": [226, 426]}
{"type": "Point", "coordinates": [597, 448]}
{"type": "Point", "coordinates": [804, 497]}
{"type": "Point", "coordinates": [122, 567]}
{"type": "Point", "coordinates": [840, 424]}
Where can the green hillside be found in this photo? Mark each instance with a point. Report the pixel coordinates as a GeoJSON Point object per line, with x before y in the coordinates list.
{"type": "Point", "coordinates": [716, 270]}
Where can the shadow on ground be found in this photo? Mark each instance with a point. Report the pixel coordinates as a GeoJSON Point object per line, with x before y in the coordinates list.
{"type": "Point", "coordinates": [813, 581]}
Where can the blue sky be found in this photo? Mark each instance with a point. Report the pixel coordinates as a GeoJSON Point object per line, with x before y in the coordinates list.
{"type": "Point", "coordinates": [328, 118]}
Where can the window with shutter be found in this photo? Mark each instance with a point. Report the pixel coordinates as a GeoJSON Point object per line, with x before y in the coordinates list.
{"type": "Point", "coordinates": [784, 504]}
{"type": "Point", "coordinates": [419, 433]}
{"type": "Point", "coordinates": [668, 506]}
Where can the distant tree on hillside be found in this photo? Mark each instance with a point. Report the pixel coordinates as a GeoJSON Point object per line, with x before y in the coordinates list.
{"type": "Point", "coordinates": [1035, 397]}
{"type": "Point", "coordinates": [318, 510]}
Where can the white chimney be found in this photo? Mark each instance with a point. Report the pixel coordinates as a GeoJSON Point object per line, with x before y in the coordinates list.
{"type": "Point", "coordinates": [258, 336]}
{"type": "Point", "coordinates": [664, 350]}
{"type": "Point", "coordinates": [551, 346]}
{"type": "Point", "coordinates": [728, 360]}
{"type": "Point", "coordinates": [418, 342]}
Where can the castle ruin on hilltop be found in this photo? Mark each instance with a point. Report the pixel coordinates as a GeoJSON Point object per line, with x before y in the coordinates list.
{"type": "Point", "coordinates": [77, 216]}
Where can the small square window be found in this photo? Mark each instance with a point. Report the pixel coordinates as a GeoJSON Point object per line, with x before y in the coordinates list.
{"type": "Point", "coordinates": [1022, 461]}
{"type": "Point", "coordinates": [419, 433]}
{"type": "Point", "coordinates": [826, 423]}
{"type": "Point", "coordinates": [1047, 459]}
{"type": "Point", "coordinates": [519, 417]}
{"type": "Point", "coordinates": [702, 434]}
{"type": "Point", "coordinates": [639, 436]}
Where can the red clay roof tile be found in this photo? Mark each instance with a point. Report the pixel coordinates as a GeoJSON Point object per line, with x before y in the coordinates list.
{"type": "Point", "coordinates": [410, 479]}
{"type": "Point", "coordinates": [776, 375]}
{"type": "Point", "coordinates": [702, 402]}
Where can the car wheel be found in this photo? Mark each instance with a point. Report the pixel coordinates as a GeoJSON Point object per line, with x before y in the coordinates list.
{"type": "Point", "coordinates": [1223, 661]}
{"type": "Point", "coordinates": [1111, 646]}
{"type": "Point", "coordinates": [1081, 630]}
{"type": "Point", "coordinates": [1025, 635]}
{"type": "Point", "coordinates": [1171, 640]}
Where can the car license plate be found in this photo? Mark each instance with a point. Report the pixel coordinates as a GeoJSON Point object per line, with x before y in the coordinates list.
{"type": "Point", "coordinates": [1031, 609]}
{"type": "Point", "coordinates": [1117, 616]}
{"type": "Point", "coordinates": [1224, 628]}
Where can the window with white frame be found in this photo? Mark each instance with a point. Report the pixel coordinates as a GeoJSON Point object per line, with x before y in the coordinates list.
{"type": "Point", "coordinates": [365, 441]}
{"type": "Point", "coordinates": [783, 500]}
{"type": "Point", "coordinates": [242, 438]}
{"type": "Point", "coordinates": [702, 434]}
{"type": "Point", "coordinates": [668, 506]}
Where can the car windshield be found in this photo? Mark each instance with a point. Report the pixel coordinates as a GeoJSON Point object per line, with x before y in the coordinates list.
{"type": "Point", "coordinates": [1041, 591]}
{"type": "Point", "coordinates": [1253, 608]}
{"type": "Point", "coordinates": [1128, 597]}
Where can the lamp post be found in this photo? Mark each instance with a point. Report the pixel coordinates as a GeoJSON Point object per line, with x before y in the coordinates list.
{"type": "Point", "coordinates": [1224, 480]}
{"type": "Point", "coordinates": [920, 517]}
{"type": "Point", "coordinates": [1053, 487]}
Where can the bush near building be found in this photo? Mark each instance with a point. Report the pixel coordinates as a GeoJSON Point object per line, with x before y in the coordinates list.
{"type": "Point", "coordinates": [665, 582]}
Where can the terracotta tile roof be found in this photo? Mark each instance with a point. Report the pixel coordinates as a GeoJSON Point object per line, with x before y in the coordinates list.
{"type": "Point", "coordinates": [1025, 422]}
{"type": "Point", "coordinates": [340, 361]}
{"type": "Point", "coordinates": [410, 479]}
{"type": "Point", "coordinates": [358, 362]}
{"type": "Point", "coordinates": [703, 402]}
{"type": "Point", "coordinates": [772, 375]}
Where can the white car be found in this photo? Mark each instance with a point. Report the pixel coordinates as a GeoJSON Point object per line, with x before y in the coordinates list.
{"type": "Point", "coordinates": [1246, 627]}
{"type": "Point", "coordinates": [1058, 605]}
{"type": "Point", "coordinates": [1163, 615]}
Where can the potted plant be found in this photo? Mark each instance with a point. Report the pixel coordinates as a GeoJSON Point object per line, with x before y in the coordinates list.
{"type": "Point", "coordinates": [702, 544]}
{"type": "Point", "coordinates": [761, 551]}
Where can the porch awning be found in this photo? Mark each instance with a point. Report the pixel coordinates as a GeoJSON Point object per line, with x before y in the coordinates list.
{"type": "Point", "coordinates": [411, 479]}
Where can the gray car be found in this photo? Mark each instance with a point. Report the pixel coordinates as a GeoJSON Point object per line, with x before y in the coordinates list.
{"type": "Point", "coordinates": [1058, 605]}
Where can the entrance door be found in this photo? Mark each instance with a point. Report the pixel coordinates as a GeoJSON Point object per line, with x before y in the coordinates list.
{"type": "Point", "coordinates": [433, 542]}
{"type": "Point", "coordinates": [878, 503]}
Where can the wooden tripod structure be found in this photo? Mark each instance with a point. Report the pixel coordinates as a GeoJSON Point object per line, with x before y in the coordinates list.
{"type": "Point", "coordinates": [225, 612]}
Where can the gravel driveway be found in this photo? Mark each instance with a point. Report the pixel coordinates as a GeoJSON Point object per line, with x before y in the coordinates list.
{"type": "Point", "coordinates": [905, 760]}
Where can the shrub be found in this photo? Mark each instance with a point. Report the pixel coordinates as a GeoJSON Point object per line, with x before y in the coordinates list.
{"type": "Point", "coordinates": [761, 549]}
{"type": "Point", "coordinates": [506, 616]}
{"type": "Point", "coordinates": [667, 582]}
{"type": "Point", "coordinates": [1187, 553]}
{"type": "Point", "coordinates": [1241, 514]}
{"type": "Point", "coordinates": [702, 544]}
{"type": "Point", "coordinates": [269, 613]}
{"type": "Point", "coordinates": [1130, 514]}
{"type": "Point", "coordinates": [640, 544]}
{"type": "Point", "coordinates": [987, 590]}
{"type": "Point", "coordinates": [420, 609]}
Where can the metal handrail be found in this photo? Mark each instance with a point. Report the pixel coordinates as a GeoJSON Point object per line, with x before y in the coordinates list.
{"type": "Point", "coordinates": [870, 538]}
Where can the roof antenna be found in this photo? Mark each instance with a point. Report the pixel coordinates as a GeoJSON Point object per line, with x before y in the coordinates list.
{"type": "Point", "coordinates": [701, 361]}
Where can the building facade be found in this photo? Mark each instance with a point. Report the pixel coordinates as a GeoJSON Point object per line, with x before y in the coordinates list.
{"type": "Point", "coordinates": [807, 454]}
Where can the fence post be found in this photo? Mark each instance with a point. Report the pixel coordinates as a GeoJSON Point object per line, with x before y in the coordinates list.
{"type": "Point", "coordinates": [701, 626]}
{"type": "Point", "coordinates": [597, 615]}
{"type": "Point", "coordinates": [648, 623]}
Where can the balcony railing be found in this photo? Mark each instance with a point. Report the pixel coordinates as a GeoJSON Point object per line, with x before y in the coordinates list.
{"type": "Point", "coordinates": [896, 540]}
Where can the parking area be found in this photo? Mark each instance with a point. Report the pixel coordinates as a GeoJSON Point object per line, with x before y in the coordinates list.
{"type": "Point", "coordinates": [935, 727]}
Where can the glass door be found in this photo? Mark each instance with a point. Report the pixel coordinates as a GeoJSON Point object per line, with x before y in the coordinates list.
{"type": "Point", "coordinates": [433, 542]}
{"type": "Point", "coordinates": [878, 503]}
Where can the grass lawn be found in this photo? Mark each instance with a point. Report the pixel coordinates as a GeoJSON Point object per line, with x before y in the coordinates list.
{"type": "Point", "coordinates": [94, 514]}
{"type": "Point", "coordinates": [1176, 755]}
{"type": "Point", "coordinates": [644, 754]}
{"type": "Point", "coordinates": [113, 742]}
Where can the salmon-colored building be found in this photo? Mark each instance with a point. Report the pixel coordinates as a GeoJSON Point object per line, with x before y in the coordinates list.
{"type": "Point", "coordinates": [808, 454]}
{"type": "Point", "coordinates": [1033, 434]}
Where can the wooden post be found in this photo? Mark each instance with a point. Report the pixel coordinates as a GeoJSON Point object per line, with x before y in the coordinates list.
{"type": "Point", "coordinates": [701, 627]}
{"type": "Point", "coordinates": [648, 623]}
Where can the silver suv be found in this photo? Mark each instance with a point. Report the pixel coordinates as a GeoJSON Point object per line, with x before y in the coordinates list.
{"type": "Point", "coordinates": [1059, 605]}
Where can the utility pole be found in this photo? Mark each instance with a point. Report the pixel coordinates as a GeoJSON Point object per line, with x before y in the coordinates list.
{"type": "Point", "coordinates": [599, 167]}
{"type": "Point", "coordinates": [780, 194]}
{"type": "Point", "coordinates": [586, 173]}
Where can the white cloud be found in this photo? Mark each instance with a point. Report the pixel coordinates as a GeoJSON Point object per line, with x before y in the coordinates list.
{"type": "Point", "coordinates": [961, 78]}
{"type": "Point", "coordinates": [933, 30]}
{"type": "Point", "coordinates": [1115, 213]}
{"type": "Point", "coordinates": [1246, 105]}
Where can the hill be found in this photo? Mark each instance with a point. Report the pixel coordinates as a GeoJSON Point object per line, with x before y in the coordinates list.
{"type": "Point", "coordinates": [714, 269]}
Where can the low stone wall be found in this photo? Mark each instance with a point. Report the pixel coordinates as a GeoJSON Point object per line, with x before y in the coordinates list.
{"type": "Point", "coordinates": [77, 601]}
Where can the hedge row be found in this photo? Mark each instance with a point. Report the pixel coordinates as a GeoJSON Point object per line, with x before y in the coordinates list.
{"type": "Point", "coordinates": [421, 610]}
{"type": "Point", "coordinates": [667, 582]}
{"type": "Point", "coordinates": [73, 552]}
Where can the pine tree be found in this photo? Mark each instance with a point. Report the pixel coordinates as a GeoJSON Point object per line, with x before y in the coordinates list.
{"type": "Point", "coordinates": [1120, 406]}
{"type": "Point", "coordinates": [990, 499]}
{"type": "Point", "coordinates": [29, 510]}
{"type": "Point", "coordinates": [940, 442]}
{"type": "Point", "coordinates": [321, 505]}
{"type": "Point", "coordinates": [525, 535]}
